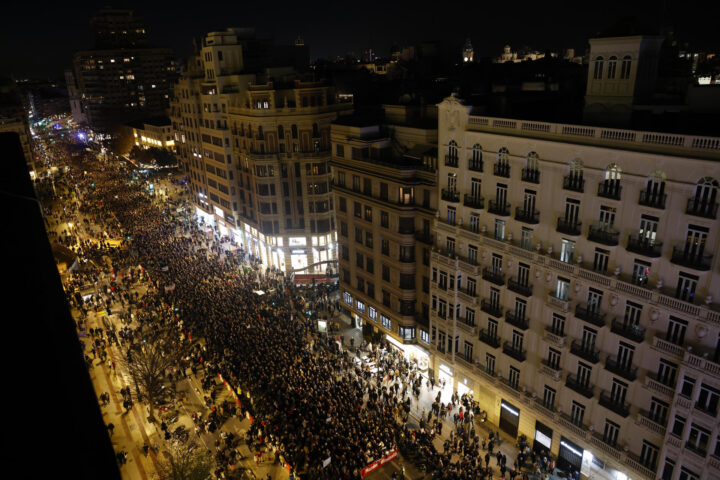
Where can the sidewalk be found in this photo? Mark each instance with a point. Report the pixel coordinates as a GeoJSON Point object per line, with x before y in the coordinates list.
{"type": "Point", "coordinates": [423, 404]}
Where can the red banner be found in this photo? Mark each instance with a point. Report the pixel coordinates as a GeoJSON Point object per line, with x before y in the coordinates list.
{"type": "Point", "coordinates": [392, 455]}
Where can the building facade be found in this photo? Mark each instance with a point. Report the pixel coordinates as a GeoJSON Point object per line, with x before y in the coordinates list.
{"type": "Point", "coordinates": [155, 132]}
{"type": "Point", "coordinates": [384, 172]}
{"type": "Point", "coordinates": [622, 73]}
{"type": "Point", "coordinates": [255, 143]}
{"type": "Point", "coordinates": [572, 290]}
{"type": "Point", "coordinates": [121, 79]}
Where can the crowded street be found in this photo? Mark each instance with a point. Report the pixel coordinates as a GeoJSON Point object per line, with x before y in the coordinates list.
{"type": "Point", "coordinates": [255, 385]}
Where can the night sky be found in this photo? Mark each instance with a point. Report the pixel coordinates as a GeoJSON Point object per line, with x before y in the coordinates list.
{"type": "Point", "coordinates": [38, 38]}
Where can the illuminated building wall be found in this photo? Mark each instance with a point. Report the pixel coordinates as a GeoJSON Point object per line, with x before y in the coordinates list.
{"type": "Point", "coordinates": [384, 186]}
{"type": "Point", "coordinates": [574, 289]}
{"type": "Point", "coordinates": [157, 134]}
{"type": "Point", "coordinates": [255, 146]}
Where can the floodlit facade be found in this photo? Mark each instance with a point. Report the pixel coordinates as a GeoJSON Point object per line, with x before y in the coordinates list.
{"type": "Point", "coordinates": [255, 143]}
{"type": "Point", "coordinates": [573, 290]}
{"type": "Point", "coordinates": [121, 79]}
{"type": "Point", "coordinates": [384, 186]}
{"type": "Point", "coordinates": [156, 132]}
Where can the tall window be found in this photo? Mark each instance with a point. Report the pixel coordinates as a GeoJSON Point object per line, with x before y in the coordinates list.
{"type": "Point", "coordinates": [632, 314]}
{"type": "Point", "coordinates": [499, 229]}
{"type": "Point", "coordinates": [503, 156]}
{"type": "Point", "coordinates": [558, 324]}
{"type": "Point", "coordinates": [526, 238]}
{"type": "Point", "coordinates": [451, 215]}
{"type": "Point", "coordinates": [567, 251]}
{"type": "Point", "coordinates": [562, 289]}
{"type": "Point", "coordinates": [625, 67]}
{"type": "Point", "coordinates": [514, 377]}
{"type": "Point", "coordinates": [641, 272]}
{"type": "Point", "coordinates": [490, 363]}
{"type": "Point", "coordinates": [598, 68]}
{"type": "Point", "coordinates": [549, 397]}
{"type": "Point", "coordinates": [577, 413]}
{"type": "Point", "coordinates": [601, 260]}
{"type": "Point", "coordinates": [658, 411]}
{"type": "Point", "coordinates": [612, 66]}
{"type": "Point", "coordinates": [654, 193]}
{"type": "Point", "coordinates": [452, 150]}
{"type": "Point", "coordinates": [474, 222]}
{"type": "Point", "coordinates": [476, 159]}
{"type": "Point", "coordinates": [610, 434]}
{"type": "Point", "coordinates": [648, 229]}
{"type": "Point", "coordinates": [532, 161]}
{"type": "Point", "coordinates": [687, 283]}
{"type": "Point", "coordinates": [704, 201]}
{"type": "Point", "coordinates": [572, 211]}
{"type": "Point", "coordinates": [667, 373]}
{"type": "Point", "coordinates": [450, 245]}
{"type": "Point", "coordinates": [452, 182]}
{"type": "Point", "coordinates": [698, 439]}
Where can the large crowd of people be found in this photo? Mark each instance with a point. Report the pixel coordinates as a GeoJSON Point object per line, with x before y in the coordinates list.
{"type": "Point", "coordinates": [325, 413]}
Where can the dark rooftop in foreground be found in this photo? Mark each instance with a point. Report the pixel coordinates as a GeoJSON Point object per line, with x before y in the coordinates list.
{"type": "Point", "coordinates": [57, 426]}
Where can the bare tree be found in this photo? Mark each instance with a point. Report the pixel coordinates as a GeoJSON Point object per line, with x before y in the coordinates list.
{"type": "Point", "coordinates": [147, 363]}
{"type": "Point", "coordinates": [186, 462]}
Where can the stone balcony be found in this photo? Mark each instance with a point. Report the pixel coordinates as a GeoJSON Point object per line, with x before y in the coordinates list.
{"type": "Point", "coordinates": [654, 385]}
{"type": "Point", "coordinates": [552, 371]}
{"type": "Point", "coordinates": [554, 338]}
{"type": "Point", "coordinates": [643, 418]}
{"type": "Point", "coordinates": [667, 347]}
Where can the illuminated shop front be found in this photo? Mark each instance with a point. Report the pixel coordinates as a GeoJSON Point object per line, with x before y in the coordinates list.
{"type": "Point", "coordinates": [509, 418]}
{"type": "Point", "coordinates": [306, 254]}
{"type": "Point", "coordinates": [412, 353]}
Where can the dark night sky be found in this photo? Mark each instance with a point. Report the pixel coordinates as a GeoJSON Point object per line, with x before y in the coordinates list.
{"type": "Point", "coordinates": [38, 38]}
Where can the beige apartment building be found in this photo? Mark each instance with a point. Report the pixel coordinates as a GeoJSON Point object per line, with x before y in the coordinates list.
{"type": "Point", "coordinates": [154, 132]}
{"type": "Point", "coordinates": [384, 171]}
{"type": "Point", "coordinates": [255, 143]}
{"type": "Point", "coordinates": [573, 288]}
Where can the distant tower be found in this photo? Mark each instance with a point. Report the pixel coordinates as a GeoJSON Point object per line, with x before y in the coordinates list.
{"type": "Point", "coordinates": [467, 52]}
{"type": "Point", "coordinates": [299, 42]}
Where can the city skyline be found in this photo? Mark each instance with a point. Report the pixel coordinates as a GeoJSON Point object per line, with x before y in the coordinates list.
{"type": "Point", "coordinates": [328, 33]}
{"type": "Point", "coordinates": [492, 249]}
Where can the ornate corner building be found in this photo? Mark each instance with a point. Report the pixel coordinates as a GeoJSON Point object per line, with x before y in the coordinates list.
{"type": "Point", "coordinates": [573, 287]}
{"type": "Point", "coordinates": [254, 139]}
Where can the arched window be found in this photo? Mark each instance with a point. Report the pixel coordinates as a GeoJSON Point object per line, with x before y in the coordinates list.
{"type": "Point", "coordinates": [316, 130]}
{"type": "Point", "coordinates": [502, 167]}
{"type": "Point", "coordinates": [654, 194]}
{"type": "Point", "coordinates": [532, 161]}
{"type": "Point", "coordinates": [612, 66]}
{"type": "Point", "coordinates": [293, 129]}
{"type": "Point", "coordinates": [503, 156]}
{"type": "Point", "coordinates": [612, 172]}
{"type": "Point", "coordinates": [260, 133]}
{"type": "Point", "coordinates": [704, 203]}
{"type": "Point", "coordinates": [610, 186]}
{"type": "Point", "coordinates": [476, 162]}
{"type": "Point", "coordinates": [249, 131]}
{"type": "Point", "coordinates": [598, 68]}
{"type": "Point", "coordinates": [281, 132]}
{"type": "Point", "coordinates": [625, 67]}
{"type": "Point", "coordinates": [452, 150]}
{"type": "Point", "coordinates": [531, 172]}
{"type": "Point", "coordinates": [574, 179]}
